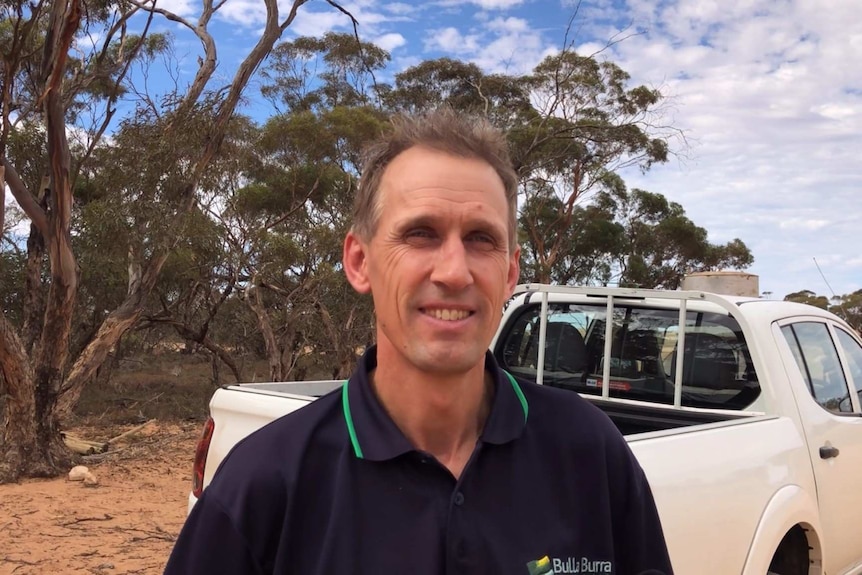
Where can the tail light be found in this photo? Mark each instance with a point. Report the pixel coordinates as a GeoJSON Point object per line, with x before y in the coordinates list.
{"type": "Point", "coordinates": [201, 457]}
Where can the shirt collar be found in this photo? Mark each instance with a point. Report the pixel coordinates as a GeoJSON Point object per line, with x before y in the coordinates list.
{"type": "Point", "coordinates": [374, 436]}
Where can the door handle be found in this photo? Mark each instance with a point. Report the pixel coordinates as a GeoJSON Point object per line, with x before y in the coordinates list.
{"type": "Point", "coordinates": [828, 452]}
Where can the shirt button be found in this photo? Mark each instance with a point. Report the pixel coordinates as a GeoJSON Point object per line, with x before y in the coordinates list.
{"type": "Point", "coordinates": [459, 498]}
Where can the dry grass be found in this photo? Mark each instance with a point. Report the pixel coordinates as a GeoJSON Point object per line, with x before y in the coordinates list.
{"type": "Point", "coordinates": [167, 387]}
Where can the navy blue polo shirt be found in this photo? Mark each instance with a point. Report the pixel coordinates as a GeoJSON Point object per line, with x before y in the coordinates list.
{"type": "Point", "coordinates": [336, 488]}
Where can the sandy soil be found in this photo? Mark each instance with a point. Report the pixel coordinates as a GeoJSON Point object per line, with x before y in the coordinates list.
{"type": "Point", "coordinates": [125, 525]}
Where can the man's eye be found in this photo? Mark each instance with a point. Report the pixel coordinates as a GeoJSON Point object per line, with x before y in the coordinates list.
{"type": "Point", "coordinates": [482, 238]}
{"type": "Point", "coordinates": [419, 234]}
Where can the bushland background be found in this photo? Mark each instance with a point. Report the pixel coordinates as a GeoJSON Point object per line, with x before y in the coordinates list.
{"type": "Point", "coordinates": [161, 243]}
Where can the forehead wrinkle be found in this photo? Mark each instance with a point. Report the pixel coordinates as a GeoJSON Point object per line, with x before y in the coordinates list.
{"type": "Point", "coordinates": [479, 214]}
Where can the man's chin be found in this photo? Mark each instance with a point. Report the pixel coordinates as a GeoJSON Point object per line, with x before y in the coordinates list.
{"type": "Point", "coordinates": [449, 360]}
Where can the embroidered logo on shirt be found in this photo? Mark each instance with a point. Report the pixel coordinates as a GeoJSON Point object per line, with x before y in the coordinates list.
{"type": "Point", "coordinates": [540, 566]}
{"type": "Point", "coordinates": [554, 565]}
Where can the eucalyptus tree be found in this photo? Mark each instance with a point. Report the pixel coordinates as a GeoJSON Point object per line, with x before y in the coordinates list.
{"type": "Point", "coordinates": [849, 307]}
{"type": "Point", "coordinates": [288, 222]}
{"type": "Point", "coordinates": [660, 244]}
{"type": "Point", "coordinates": [48, 85]}
{"type": "Point", "coordinates": [808, 297]}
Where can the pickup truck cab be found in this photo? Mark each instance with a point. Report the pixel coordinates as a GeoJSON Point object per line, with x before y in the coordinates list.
{"type": "Point", "coordinates": [744, 413]}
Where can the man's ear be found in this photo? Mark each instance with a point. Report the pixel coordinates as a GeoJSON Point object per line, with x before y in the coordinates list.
{"type": "Point", "coordinates": [514, 270]}
{"type": "Point", "coordinates": [356, 263]}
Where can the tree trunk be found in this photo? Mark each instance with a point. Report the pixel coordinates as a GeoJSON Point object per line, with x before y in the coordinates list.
{"type": "Point", "coordinates": [34, 297]}
{"type": "Point", "coordinates": [289, 354]}
{"type": "Point", "coordinates": [34, 302]}
{"type": "Point", "coordinates": [2, 193]}
{"type": "Point", "coordinates": [273, 354]}
{"type": "Point", "coordinates": [218, 352]}
{"type": "Point", "coordinates": [112, 329]}
{"type": "Point", "coordinates": [31, 445]}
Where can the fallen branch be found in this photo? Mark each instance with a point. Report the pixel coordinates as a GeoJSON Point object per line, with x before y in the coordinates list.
{"type": "Point", "coordinates": [161, 536]}
{"type": "Point", "coordinates": [103, 517]}
{"type": "Point", "coordinates": [83, 446]}
{"type": "Point", "coordinates": [128, 433]}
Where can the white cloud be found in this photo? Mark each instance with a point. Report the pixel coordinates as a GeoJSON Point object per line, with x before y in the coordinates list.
{"type": "Point", "coordinates": [770, 94]}
{"type": "Point", "coordinates": [483, 4]}
{"type": "Point", "coordinates": [247, 13]}
{"type": "Point", "coordinates": [452, 40]}
{"type": "Point", "coordinates": [503, 45]}
{"type": "Point", "coordinates": [497, 4]}
{"type": "Point", "coordinates": [401, 9]}
{"type": "Point", "coordinates": [390, 42]}
{"type": "Point", "coordinates": [509, 25]}
{"type": "Point", "coordinates": [399, 64]}
{"type": "Point", "coordinates": [803, 224]}
{"type": "Point", "coordinates": [317, 22]}
{"type": "Point", "coordinates": [182, 8]}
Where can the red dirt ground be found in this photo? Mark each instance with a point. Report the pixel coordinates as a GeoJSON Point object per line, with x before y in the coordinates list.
{"type": "Point", "coordinates": [125, 525]}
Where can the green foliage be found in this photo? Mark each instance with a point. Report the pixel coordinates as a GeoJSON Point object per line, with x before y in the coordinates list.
{"type": "Point", "coordinates": [662, 244]}
{"type": "Point", "coordinates": [322, 73]}
{"type": "Point", "coordinates": [847, 307]}
{"type": "Point", "coordinates": [271, 211]}
{"type": "Point", "coordinates": [637, 238]}
{"type": "Point", "coordinates": [808, 297]}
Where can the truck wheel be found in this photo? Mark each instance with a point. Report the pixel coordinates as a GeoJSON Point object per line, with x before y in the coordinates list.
{"type": "Point", "coordinates": [791, 557]}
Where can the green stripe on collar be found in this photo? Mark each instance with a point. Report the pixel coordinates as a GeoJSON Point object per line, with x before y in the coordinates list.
{"type": "Point", "coordinates": [351, 430]}
{"type": "Point", "coordinates": [345, 406]}
{"type": "Point", "coordinates": [520, 395]}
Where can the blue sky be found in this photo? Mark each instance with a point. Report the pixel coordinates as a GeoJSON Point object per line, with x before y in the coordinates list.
{"type": "Point", "coordinates": [768, 93]}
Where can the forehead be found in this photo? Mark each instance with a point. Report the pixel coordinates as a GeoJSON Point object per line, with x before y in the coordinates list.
{"type": "Point", "coordinates": [421, 175]}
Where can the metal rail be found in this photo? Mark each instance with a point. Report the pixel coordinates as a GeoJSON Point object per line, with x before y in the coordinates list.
{"type": "Point", "coordinates": [613, 295]}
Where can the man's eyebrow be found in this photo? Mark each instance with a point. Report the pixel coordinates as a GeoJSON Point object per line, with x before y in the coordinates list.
{"type": "Point", "coordinates": [478, 223]}
{"type": "Point", "coordinates": [417, 221]}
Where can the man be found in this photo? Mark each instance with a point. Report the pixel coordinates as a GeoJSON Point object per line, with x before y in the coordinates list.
{"type": "Point", "coordinates": [430, 459]}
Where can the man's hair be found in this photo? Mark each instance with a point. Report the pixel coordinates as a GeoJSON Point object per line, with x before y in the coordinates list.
{"type": "Point", "coordinates": [443, 130]}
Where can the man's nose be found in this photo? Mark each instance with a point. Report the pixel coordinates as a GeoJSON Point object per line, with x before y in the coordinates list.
{"type": "Point", "coordinates": [451, 265]}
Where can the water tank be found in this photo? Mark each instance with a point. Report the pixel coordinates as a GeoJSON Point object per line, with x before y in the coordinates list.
{"type": "Point", "coordinates": [724, 282]}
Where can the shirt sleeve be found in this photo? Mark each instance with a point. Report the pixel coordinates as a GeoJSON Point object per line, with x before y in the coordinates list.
{"type": "Point", "coordinates": [209, 542]}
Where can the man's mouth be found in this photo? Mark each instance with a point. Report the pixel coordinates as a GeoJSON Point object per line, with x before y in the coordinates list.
{"type": "Point", "coordinates": [447, 314]}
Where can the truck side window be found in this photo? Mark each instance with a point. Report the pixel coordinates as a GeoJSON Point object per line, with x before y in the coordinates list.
{"type": "Point", "coordinates": [817, 359]}
{"type": "Point", "coordinates": [853, 353]}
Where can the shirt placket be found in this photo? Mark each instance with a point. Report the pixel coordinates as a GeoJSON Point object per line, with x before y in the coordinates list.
{"type": "Point", "coordinates": [459, 558]}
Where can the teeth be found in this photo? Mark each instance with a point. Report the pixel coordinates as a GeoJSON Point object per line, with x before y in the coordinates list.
{"type": "Point", "coordinates": [448, 314]}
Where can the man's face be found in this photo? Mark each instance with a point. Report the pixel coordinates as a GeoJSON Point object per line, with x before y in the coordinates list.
{"type": "Point", "coordinates": [439, 265]}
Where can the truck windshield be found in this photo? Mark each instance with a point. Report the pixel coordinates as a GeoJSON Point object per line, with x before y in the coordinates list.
{"type": "Point", "coordinates": [717, 366]}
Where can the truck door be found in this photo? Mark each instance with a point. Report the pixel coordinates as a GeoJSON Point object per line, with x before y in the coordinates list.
{"type": "Point", "coordinates": [823, 355]}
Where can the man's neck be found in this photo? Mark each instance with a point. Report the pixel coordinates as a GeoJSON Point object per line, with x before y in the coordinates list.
{"type": "Point", "coordinates": [442, 414]}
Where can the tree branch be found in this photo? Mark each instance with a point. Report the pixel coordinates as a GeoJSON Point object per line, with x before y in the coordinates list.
{"type": "Point", "coordinates": [296, 208]}
{"type": "Point", "coordinates": [25, 199]}
{"type": "Point", "coordinates": [115, 92]}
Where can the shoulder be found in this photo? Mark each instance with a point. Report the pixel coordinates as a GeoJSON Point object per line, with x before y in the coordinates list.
{"type": "Point", "coordinates": [268, 459]}
{"type": "Point", "coordinates": [561, 409]}
{"type": "Point", "coordinates": [566, 424]}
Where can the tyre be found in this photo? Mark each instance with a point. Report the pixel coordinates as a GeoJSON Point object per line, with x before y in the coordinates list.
{"type": "Point", "coordinates": [791, 557]}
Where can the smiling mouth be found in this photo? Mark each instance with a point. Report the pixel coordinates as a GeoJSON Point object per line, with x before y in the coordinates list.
{"type": "Point", "coordinates": [448, 314]}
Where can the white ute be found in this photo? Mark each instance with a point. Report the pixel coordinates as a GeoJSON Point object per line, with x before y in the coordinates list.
{"type": "Point", "coordinates": [745, 414]}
